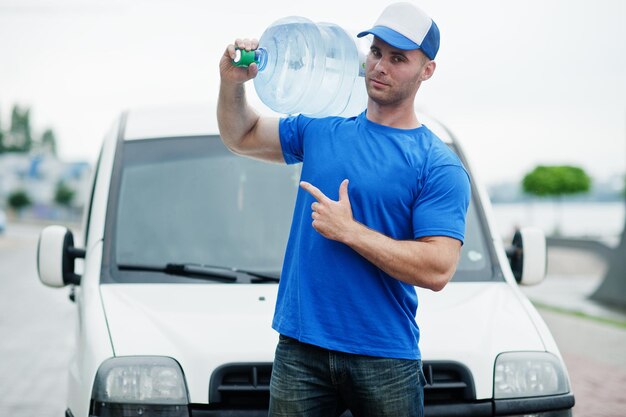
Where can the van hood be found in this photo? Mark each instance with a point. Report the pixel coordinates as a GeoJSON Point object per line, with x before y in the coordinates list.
{"type": "Point", "coordinates": [473, 322]}
{"type": "Point", "coordinates": [204, 326]}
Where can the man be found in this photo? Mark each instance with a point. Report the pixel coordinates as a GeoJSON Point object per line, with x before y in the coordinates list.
{"type": "Point", "coordinates": [381, 209]}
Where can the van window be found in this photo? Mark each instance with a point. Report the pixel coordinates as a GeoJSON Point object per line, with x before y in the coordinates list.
{"type": "Point", "coordinates": [191, 201]}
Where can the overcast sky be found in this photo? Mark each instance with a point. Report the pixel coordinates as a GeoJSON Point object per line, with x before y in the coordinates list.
{"type": "Point", "coordinates": [520, 82]}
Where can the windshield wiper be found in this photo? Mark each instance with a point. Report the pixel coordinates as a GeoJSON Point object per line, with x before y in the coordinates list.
{"type": "Point", "coordinates": [211, 272]}
{"type": "Point", "coordinates": [185, 270]}
{"type": "Point", "coordinates": [261, 276]}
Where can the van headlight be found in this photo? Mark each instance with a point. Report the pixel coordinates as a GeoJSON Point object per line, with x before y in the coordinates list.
{"type": "Point", "coordinates": [528, 374]}
{"type": "Point", "coordinates": [139, 385]}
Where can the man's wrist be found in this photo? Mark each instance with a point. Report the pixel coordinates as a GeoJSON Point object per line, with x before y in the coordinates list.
{"type": "Point", "coordinates": [353, 233]}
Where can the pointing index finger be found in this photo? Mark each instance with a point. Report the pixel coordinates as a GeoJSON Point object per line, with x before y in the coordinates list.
{"type": "Point", "coordinates": [314, 191]}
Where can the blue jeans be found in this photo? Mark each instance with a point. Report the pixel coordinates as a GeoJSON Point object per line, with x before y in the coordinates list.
{"type": "Point", "coordinates": [308, 381]}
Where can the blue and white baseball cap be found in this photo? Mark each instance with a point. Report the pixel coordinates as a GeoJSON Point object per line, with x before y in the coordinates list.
{"type": "Point", "coordinates": [405, 26]}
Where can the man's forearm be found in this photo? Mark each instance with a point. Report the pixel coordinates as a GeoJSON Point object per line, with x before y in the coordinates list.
{"type": "Point", "coordinates": [423, 263]}
{"type": "Point", "coordinates": [428, 262]}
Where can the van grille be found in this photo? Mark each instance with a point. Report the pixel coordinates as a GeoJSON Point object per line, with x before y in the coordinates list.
{"type": "Point", "coordinates": [241, 384]}
{"type": "Point", "coordinates": [447, 382]}
{"type": "Point", "coordinates": [247, 384]}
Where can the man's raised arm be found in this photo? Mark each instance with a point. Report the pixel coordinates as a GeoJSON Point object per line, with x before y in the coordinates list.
{"type": "Point", "coordinates": [242, 129]}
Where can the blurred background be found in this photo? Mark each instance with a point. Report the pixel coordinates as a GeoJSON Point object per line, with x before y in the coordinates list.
{"type": "Point", "coordinates": [535, 90]}
{"type": "Point", "coordinates": [521, 83]}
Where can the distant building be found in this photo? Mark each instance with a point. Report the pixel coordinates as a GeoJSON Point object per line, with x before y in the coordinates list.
{"type": "Point", "coordinates": [39, 174]}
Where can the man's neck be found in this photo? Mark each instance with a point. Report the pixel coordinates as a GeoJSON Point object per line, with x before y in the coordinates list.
{"type": "Point", "coordinates": [400, 117]}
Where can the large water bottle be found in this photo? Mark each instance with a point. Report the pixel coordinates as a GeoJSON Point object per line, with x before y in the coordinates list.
{"type": "Point", "coordinates": [308, 68]}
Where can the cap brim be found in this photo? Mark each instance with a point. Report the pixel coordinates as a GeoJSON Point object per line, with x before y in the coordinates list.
{"type": "Point", "coordinates": [390, 36]}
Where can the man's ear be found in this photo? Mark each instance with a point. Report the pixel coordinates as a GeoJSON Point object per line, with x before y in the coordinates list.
{"type": "Point", "coordinates": [428, 70]}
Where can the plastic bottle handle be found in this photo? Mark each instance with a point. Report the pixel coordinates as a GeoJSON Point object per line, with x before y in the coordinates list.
{"type": "Point", "coordinates": [243, 58]}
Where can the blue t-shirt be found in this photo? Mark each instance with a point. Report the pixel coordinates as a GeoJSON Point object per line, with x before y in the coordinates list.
{"type": "Point", "coordinates": [405, 184]}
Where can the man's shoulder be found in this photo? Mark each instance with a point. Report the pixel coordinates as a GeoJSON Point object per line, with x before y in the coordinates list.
{"type": "Point", "coordinates": [440, 153]}
{"type": "Point", "coordinates": [317, 123]}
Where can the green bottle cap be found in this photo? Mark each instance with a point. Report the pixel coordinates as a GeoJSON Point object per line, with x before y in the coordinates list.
{"type": "Point", "coordinates": [243, 58]}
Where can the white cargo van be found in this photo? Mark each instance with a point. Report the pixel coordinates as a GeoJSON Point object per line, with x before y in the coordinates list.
{"type": "Point", "coordinates": [176, 271]}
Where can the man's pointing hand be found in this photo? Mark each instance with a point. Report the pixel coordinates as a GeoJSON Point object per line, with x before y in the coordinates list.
{"type": "Point", "coordinates": [332, 219]}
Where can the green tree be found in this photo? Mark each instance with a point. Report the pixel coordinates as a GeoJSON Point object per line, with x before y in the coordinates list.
{"type": "Point", "coordinates": [556, 181]}
{"type": "Point", "coordinates": [63, 194]}
{"type": "Point", "coordinates": [19, 137]}
{"type": "Point", "coordinates": [19, 200]}
{"type": "Point", "coordinates": [49, 142]}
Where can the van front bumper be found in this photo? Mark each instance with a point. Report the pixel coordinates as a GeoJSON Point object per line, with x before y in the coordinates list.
{"type": "Point", "coordinates": [549, 406]}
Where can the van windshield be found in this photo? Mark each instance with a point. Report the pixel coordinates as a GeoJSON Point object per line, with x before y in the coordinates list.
{"type": "Point", "coordinates": [191, 203]}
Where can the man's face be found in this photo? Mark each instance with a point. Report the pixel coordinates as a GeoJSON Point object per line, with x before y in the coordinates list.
{"type": "Point", "coordinates": [392, 75]}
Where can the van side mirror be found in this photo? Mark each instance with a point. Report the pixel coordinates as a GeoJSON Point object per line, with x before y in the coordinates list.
{"type": "Point", "coordinates": [528, 256]}
{"type": "Point", "coordinates": [55, 257]}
